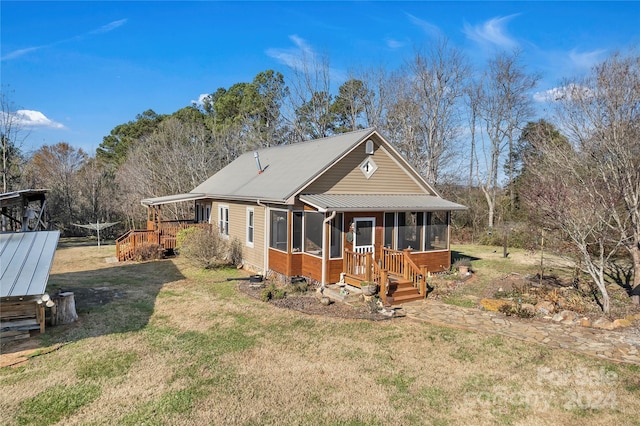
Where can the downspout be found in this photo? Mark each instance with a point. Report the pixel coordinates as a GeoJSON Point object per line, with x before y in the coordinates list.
{"type": "Point", "coordinates": [324, 249]}
{"type": "Point", "coordinates": [265, 259]}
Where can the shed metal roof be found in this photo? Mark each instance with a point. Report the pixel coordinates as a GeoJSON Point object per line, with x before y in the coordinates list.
{"type": "Point", "coordinates": [25, 262]}
{"type": "Point", "coordinates": [379, 202]}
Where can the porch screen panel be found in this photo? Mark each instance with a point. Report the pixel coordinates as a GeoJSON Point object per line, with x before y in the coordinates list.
{"type": "Point", "coordinates": [297, 232]}
{"type": "Point", "coordinates": [336, 236]}
{"type": "Point", "coordinates": [278, 230]}
{"type": "Point", "coordinates": [410, 226]}
{"type": "Point", "coordinates": [438, 231]}
{"type": "Point", "coordinates": [313, 233]}
{"type": "Point", "coordinates": [389, 227]}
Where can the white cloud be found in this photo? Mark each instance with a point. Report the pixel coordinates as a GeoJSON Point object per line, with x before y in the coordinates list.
{"type": "Point", "coordinates": [201, 99]}
{"type": "Point", "coordinates": [492, 32]}
{"type": "Point", "coordinates": [426, 26]}
{"type": "Point", "coordinates": [30, 118]}
{"type": "Point", "coordinates": [109, 27]}
{"type": "Point", "coordinates": [585, 59]}
{"type": "Point", "coordinates": [101, 30]}
{"type": "Point", "coordinates": [394, 44]}
{"type": "Point", "coordinates": [560, 93]}
{"type": "Point", "coordinates": [293, 57]}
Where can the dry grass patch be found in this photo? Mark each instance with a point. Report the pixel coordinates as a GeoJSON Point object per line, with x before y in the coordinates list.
{"type": "Point", "coordinates": [183, 347]}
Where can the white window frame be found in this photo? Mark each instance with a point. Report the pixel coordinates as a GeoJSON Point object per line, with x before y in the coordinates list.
{"type": "Point", "coordinates": [223, 222]}
{"type": "Point", "coordinates": [271, 230]}
{"type": "Point", "coordinates": [251, 228]}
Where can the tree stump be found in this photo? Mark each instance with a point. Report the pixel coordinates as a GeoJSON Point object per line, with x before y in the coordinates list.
{"type": "Point", "coordinates": [64, 311]}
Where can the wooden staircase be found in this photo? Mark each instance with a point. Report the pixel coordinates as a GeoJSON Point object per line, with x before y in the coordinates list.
{"type": "Point", "coordinates": [401, 290]}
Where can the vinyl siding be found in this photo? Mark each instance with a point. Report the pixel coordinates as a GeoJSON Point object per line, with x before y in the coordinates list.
{"type": "Point", "coordinates": [253, 256]}
{"type": "Point", "coordinates": [345, 177]}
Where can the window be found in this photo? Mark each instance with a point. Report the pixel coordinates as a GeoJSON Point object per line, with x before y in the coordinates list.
{"type": "Point", "coordinates": [336, 237]}
{"type": "Point", "coordinates": [223, 220]}
{"type": "Point", "coordinates": [368, 167]}
{"type": "Point", "coordinates": [278, 222]}
{"type": "Point", "coordinates": [313, 222]}
{"type": "Point", "coordinates": [297, 232]}
{"type": "Point", "coordinates": [250, 227]}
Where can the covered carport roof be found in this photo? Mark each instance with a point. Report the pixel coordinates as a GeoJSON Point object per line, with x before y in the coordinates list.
{"type": "Point", "coordinates": [25, 262]}
{"type": "Point", "coordinates": [157, 201]}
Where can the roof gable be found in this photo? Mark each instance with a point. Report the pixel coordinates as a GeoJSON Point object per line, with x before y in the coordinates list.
{"type": "Point", "coordinates": [286, 169]}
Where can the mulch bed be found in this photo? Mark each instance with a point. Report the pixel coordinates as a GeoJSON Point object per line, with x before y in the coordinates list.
{"type": "Point", "coordinates": [310, 304]}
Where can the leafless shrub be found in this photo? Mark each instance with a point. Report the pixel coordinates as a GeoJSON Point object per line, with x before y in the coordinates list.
{"type": "Point", "coordinates": [203, 247]}
{"type": "Point", "coordinates": [148, 252]}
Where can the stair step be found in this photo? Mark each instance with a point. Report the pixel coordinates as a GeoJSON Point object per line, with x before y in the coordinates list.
{"type": "Point", "coordinates": [398, 300]}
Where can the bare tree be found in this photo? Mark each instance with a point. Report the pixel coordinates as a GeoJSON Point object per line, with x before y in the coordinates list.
{"type": "Point", "coordinates": [56, 167]}
{"type": "Point", "coordinates": [176, 158]}
{"type": "Point", "coordinates": [377, 82]}
{"type": "Point", "coordinates": [439, 75]}
{"type": "Point", "coordinates": [12, 134]}
{"type": "Point", "coordinates": [308, 111]}
{"type": "Point", "coordinates": [505, 107]}
{"type": "Point", "coordinates": [601, 115]}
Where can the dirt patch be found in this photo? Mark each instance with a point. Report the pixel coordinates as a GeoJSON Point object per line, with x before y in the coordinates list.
{"type": "Point", "coordinates": [91, 297]}
{"type": "Point", "coordinates": [310, 304]}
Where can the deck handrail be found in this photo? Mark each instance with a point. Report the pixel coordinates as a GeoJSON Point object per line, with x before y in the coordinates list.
{"type": "Point", "coordinates": [399, 262]}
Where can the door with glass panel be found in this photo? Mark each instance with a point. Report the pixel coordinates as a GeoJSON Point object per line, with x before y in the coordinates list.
{"type": "Point", "coordinates": [364, 235]}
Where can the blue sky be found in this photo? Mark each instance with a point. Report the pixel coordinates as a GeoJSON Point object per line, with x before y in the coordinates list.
{"type": "Point", "coordinates": [78, 69]}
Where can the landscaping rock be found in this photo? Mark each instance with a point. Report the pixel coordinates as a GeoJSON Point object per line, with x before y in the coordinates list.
{"type": "Point", "coordinates": [603, 323]}
{"type": "Point", "coordinates": [529, 308]}
{"type": "Point", "coordinates": [620, 323]}
{"type": "Point", "coordinates": [545, 307]}
{"type": "Point", "coordinates": [585, 322]}
{"type": "Point", "coordinates": [566, 317]}
{"type": "Point", "coordinates": [493, 305]}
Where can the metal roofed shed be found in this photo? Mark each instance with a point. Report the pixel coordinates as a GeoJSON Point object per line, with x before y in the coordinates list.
{"type": "Point", "coordinates": [25, 264]}
{"type": "Point", "coordinates": [23, 210]}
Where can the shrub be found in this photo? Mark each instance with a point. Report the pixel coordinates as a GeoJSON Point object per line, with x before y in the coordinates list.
{"type": "Point", "coordinates": [272, 292]}
{"type": "Point", "coordinates": [204, 247]}
{"type": "Point", "coordinates": [235, 251]}
{"type": "Point", "coordinates": [148, 252]}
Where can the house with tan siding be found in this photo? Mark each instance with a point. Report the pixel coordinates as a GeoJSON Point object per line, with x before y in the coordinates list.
{"type": "Point", "coordinates": [347, 208]}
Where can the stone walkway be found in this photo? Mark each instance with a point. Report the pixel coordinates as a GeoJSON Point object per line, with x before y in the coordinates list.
{"type": "Point", "coordinates": [618, 346]}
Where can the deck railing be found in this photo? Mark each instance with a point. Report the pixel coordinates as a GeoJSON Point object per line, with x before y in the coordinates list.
{"type": "Point", "coordinates": [399, 263]}
{"type": "Point", "coordinates": [360, 267]}
{"type": "Point", "coordinates": [165, 236]}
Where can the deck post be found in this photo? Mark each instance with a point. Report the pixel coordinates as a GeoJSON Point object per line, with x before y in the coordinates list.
{"type": "Point", "coordinates": [345, 261]}
{"type": "Point", "coordinates": [368, 266]}
{"type": "Point", "coordinates": [383, 285]}
{"type": "Point", "coordinates": [406, 254]}
{"type": "Point", "coordinates": [423, 281]}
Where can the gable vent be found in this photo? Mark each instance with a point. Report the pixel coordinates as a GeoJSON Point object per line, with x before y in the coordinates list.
{"type": "Point", "coordinates": [369, 147]}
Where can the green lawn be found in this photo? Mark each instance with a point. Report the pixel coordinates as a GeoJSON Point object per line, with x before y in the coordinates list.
{"type": "Point", "coordinates": [171, 344]}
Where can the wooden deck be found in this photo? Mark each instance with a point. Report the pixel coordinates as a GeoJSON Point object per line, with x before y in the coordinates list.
{"type": "Point", "coordinates": [398, 277]}
{"type": "Point", "coordinates": [164, 235]}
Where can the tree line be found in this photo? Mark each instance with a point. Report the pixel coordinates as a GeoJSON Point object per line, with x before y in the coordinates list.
{"type": "Point", "coordinates": [470, 131]}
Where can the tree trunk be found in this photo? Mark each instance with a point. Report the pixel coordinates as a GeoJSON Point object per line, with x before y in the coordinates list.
{"type": "Point", "coordinates": [65, 312]}
{"type": "Point", "coordinates": [635, 290]}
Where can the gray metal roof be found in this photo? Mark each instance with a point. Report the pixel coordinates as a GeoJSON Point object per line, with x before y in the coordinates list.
{"type": "Point", "coordinates": [379, 202]}
{"type": "Point", "coordinates": [17, 197]}
{"type": "Point", "coordinates": [286, 169]}
{"type": "Point", "coordinates": [25, 262]}
{"type": "Point", "coordinates": [190, 196]}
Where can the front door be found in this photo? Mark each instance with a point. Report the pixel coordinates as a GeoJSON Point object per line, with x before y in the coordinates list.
{"type": "Point", "coordinates": [364, 234]}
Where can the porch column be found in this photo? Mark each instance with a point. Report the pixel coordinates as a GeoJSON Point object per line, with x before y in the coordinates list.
{"type": "Point", "coordinates": [326, 246]}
